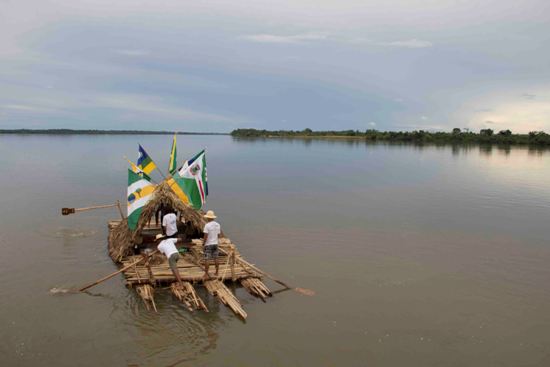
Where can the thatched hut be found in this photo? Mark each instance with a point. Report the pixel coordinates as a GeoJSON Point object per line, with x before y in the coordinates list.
{"type": "Point", "coordinates": [122, 239]}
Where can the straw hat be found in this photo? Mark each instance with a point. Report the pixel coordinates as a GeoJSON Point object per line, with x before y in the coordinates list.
{"type": "Point", "coordinates": [159, 236]}
{"type": "Point", "coordinates": [210, 215]}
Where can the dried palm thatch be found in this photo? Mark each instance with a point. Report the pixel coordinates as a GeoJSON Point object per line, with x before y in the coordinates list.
{"type": "Point", "coordinates": [121, 238]}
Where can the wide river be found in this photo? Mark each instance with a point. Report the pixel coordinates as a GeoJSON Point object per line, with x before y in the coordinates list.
{"type": "Point", "coordinates": [419, 256]}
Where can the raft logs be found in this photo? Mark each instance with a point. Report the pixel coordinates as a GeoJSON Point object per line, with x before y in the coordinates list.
{"type": "Point", "coordinates": [144, 275]}
{"type": "Point", "coordinates": [187, 295]}
{"type": "Point", "coordinates": [145, 291]}
{"type": "Point", "coordinates": [218, 289]}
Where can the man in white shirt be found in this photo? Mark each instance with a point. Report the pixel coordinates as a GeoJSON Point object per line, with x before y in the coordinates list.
{"type": "Point", "coordinates": [169, 224]}
{"type": "Point", "coordinates": [168, 247]}
{"type": "Point", "coordinates": [211, 232]}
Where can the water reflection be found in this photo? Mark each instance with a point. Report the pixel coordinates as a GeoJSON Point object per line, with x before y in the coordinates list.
{"type": "Point", "coordinates": [455, 149]}
{"type": "Point", "coordinates": [174, 335]}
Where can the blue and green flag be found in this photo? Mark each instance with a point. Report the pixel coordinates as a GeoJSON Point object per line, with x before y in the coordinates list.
{"type": "Point", "coordinates": [144, 162]}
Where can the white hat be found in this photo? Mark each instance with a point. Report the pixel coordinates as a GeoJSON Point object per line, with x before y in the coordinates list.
{"type": "Point", "coordinates": [159, 236]}
{"type": "Point", "coordinates": [210, 215]}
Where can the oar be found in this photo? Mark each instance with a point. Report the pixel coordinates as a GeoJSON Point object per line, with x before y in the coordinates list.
{"type": "Point", "coordinates": [116, 272]}
{"type": "Point", "coordinates": [67, 211]}
{"type": "Point", "coordinates": [304, 291]}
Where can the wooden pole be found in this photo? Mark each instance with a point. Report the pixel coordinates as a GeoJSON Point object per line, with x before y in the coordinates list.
{"type": "Point", "coordinates": [67, 211]}
{"type": "Point", "coordinates": [246, 263]}
{"type": "Point", "coordinates": [120, 209]}
{"type": "Point", "coordinates": [115, 273]}
{"type": "Point", "coordinates": [304, 291]}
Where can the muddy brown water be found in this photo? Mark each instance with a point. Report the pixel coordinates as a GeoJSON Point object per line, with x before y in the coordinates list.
{"type": "Point", "coordinates": [419, 256]}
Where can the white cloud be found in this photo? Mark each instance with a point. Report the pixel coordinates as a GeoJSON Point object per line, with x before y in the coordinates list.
{"type": "Point", "coordinates": [131, 52]}
{"type": "Point", "coordinates": [296, 38]}
{"type": "Point", "coordinates": [319, 37]}
{"type": "Point", "coordinates": [27, 108]}
{"type": "Point", "coordinates": [412, 43]}
{"type": "Point", "coordinates": [521, 115]}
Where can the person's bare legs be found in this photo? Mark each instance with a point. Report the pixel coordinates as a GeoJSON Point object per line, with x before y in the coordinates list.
{"type": "Point", "coordinates": [217, 265]}
{"type": "Point", "coordinates": [206, 266]}
{"type": "Point", "coordinates": [178, 277]}
{"type": "Point", "coordinates": [176, 271]}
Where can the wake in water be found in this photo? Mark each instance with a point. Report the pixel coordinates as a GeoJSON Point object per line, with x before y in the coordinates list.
{"type": "Point", "coordinates": [74, 233]}
{"type": "Point", "coordinates": [56, 290]}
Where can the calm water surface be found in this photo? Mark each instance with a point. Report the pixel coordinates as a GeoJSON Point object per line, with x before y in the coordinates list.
{"type": "Point", "coordinates": [418, 256]}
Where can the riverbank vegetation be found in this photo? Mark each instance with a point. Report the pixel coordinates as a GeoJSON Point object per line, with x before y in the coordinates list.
{"type": "Point", "coordinates": [456, 136]}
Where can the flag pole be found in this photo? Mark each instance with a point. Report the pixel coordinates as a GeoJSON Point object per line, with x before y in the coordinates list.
{"type": "Point", "coordinates": [157, 168]}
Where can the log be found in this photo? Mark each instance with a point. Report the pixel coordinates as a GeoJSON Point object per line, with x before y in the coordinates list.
{"type": "Point", "coordinates": [146, 292]}
{"type": "Point", "coordinates": [219, 290]}
{"type": "Point", "coordinates": [187, 295]}
{"type": "Point", "coordinates": [256, 287]}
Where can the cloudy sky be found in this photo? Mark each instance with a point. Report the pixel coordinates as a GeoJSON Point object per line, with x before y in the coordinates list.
{"type": "Point", "coordinates": [323, 64]}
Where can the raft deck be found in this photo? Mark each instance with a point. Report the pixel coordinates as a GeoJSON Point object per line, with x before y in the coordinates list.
{"type": "Point", "coordinates": [147, 275]}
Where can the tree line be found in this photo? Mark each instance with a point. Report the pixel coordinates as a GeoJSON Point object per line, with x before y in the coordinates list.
{"type": "Point", "coordinates": [484, 136]}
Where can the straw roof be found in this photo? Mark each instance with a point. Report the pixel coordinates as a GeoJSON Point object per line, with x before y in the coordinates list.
{"type": "Point", "coordinates": [122, 239]}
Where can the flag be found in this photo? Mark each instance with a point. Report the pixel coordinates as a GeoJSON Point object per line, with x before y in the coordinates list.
{"type": "Point", "coordinates": [192, 180]}
{"type": "Point", "coordinates": [176, 188]}
{"type": "Point", "coordinates": [137, 170]}
{"type": "Point", "coordinates": [144, 162]}
{"type": "Point", "coordinates": [172, 166]}
{"type": "Point", "coordinates": [140, 191]}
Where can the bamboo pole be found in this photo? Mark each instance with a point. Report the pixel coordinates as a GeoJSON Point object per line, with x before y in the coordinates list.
{"type": "Point", "coordinates": [67, 211]}
{"type": "Point", "coordinates": [120, 210]}
{"type": "Point", "coordinates": [243, 262]}
{"type": "Point", "coordinates": [115, 273]}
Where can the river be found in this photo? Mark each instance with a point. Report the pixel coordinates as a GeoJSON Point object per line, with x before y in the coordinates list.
{"type": "Point", "coordinates": [418, 256]}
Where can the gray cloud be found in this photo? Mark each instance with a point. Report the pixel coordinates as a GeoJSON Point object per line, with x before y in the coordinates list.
{"type": "Point", "coordinates": [128, 63]}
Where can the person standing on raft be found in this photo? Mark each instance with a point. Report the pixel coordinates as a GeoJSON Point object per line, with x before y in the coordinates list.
{"type": "Point", "coordinates": [169, 224]}
{"type": "Point", "coordinates": [211, 233]}
{"type": "Point", "coordinates": [168, 247]}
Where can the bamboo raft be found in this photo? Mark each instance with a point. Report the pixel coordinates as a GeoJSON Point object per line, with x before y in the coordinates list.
{"type": "Point", "coordinates": [146, 276]}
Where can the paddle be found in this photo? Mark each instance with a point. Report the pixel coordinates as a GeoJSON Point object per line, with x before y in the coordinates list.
{"type": "Point", "coordinates": [304, 291]}
{"type": "Point", "coordinates": [116, 272]}
{"type": "Point", "coordinates": [68, 211]}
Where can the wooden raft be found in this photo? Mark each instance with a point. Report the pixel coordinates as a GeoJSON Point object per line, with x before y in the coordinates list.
{"type": "Point", "coordinates": [146, 275]}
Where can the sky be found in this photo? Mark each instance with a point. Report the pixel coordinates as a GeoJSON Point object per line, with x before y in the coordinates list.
{"type": "Point", "coordinates": [213, 66]}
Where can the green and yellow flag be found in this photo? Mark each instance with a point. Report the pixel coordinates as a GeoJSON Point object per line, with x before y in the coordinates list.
{"type": "Point", "coordinates": [140, 191]}
{"type": "Point", "coordinates": [172, 166]}
{"type": "Point", "coordinates": [144, 162]}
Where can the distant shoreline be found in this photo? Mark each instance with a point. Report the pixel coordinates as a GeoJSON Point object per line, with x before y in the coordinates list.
{"type": "Point", "coordinates": [456, 136]}
{"type": "Point", "coordinates": [96, 132]}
